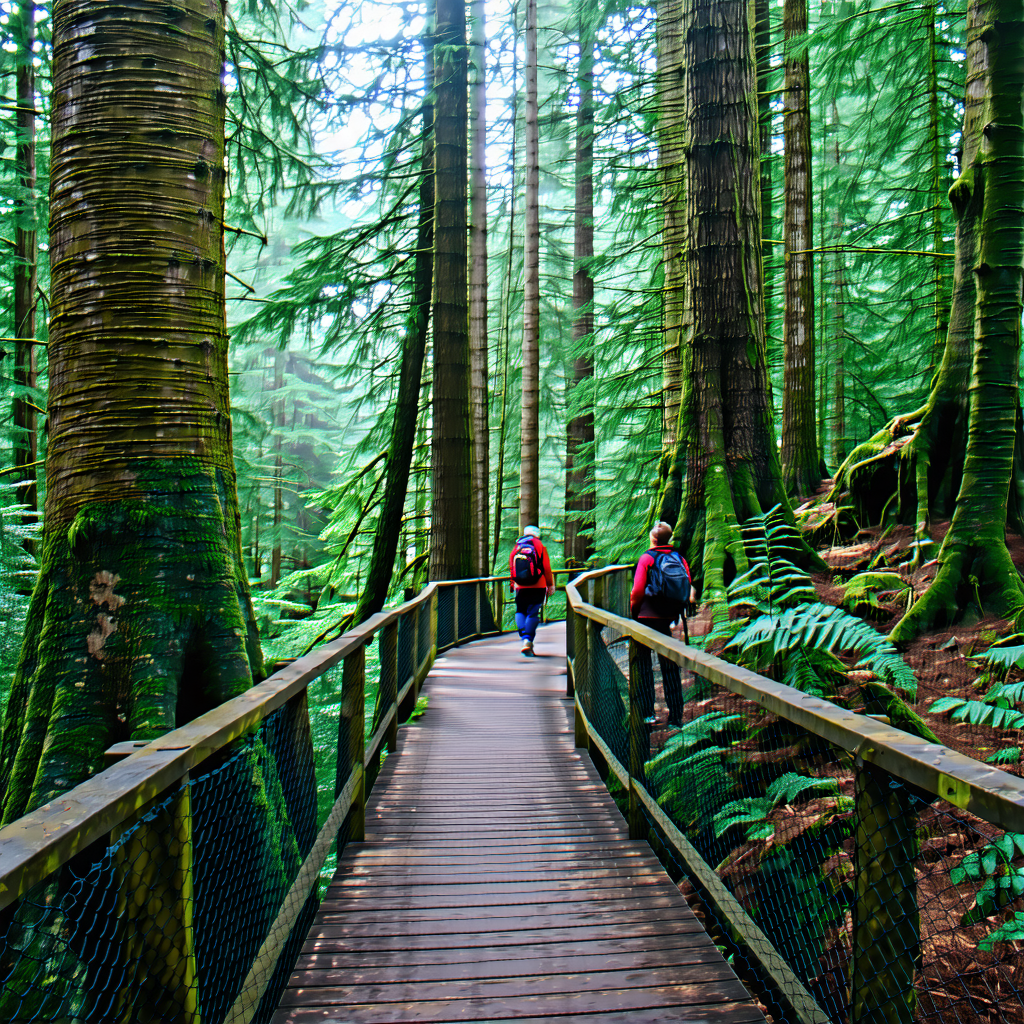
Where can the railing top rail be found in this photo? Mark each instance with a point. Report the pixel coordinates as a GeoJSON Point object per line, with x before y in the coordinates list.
{"type": "Point", "coordinates": [39, 842]}
{"type": "Point", "coordinates": [983, 789]}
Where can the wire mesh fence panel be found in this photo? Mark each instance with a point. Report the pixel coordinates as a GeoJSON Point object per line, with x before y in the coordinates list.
{"type": "Point", "coordinates": [446, 624]}
{"type": "Point", "coordinates": [608, 690]}
{"type": "Point", "coordinates": [423, 638]}
{"type": "Point", "coordinates": [468, 606]}
{"type": "Point", "coordinates": [487, 624]}
{"type": "Point", "coordinates": [406, 648]}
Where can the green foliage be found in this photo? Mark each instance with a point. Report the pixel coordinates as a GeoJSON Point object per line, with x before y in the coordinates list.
{"type": "Point", "coordinates": [754, 812]}
{"type": "Point", "coordinates": [861, 595]}
{"type": "Point", "coordinates": [795, 638]}
{"type": "Point", "coordinates": [17, 578]}
{"type": "Point", "coordinates": [1002, 881]}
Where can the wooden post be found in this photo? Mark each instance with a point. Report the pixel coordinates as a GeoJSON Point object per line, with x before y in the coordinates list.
{"type": "Point", "coordinates": [456, 624]}
{"type": "Point", "coordinates": [570, 652]}
{"type": "Point", "coordinates": [389, 679]}
{"type": "Point", "coordinates": [886, 921]}
{"type": "Point", "coordinates": [637, 740]}
{"type": "Point", "coordinates": [351, 738]}
{"type": "Point", "coordinates": [479, 595]}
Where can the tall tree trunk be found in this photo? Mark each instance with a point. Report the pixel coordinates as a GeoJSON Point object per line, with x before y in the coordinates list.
{"type": "Point", "coordinates": [141, 618]}
{"type": "Point", "coordinates": [726, 458]}
{"type": "Point", "coordinates": [672, 181]}
{"type": "Point", "coordinates": [478, 286]}
{"type": "Point", "coordinates": [801, 462]}
{"type": "Point", "coordinates": [452, 544]}
{"type": "Point", "coordinates": [24, 269]}
{"type": "Point", "coordinates": [763, 57]}
{"type": "Point", "coordinates": [529, 438]}
{"type": "Point", "coordinates": [277, 418]}
{"type": "Point", "coordinates": [938, 147]}
{"type": "Point", "coordinates": [974, 564]}
{"type": "Point", "coordinates": [381, 568]}
{"type": "Point", "coordinates": [580, 485]}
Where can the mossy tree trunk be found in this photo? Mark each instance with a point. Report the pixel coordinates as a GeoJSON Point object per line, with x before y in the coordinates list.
{"type": "Point", "coordinates": [452, 545]}
{"type": "Point", "coordinates": [726, 462]}
{"type": "Point", "coordinates": [974, 564]}
{"type": "Point", "coordinates": [141, 618]}
{"type": "Point", "coordinates": [529, 431]}
{"type": "Point", "coordinates": [24, 264]}
{"type": "Point", "coordinates": [478, 287]}
{"type": "Point", "coordinates": [580, 483]}
{"type": "Point", "coordinates": [398, 463]}
{"type": "Point", "coordinates": [801, 462]}
{"type": "Point", "coordinates": [960, 454]}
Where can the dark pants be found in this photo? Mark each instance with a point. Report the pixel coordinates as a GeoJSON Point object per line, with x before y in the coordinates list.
{"type": "Point", "coordinates": [670, 680]}
{"type": "Point", "coordinates": [529, 601]}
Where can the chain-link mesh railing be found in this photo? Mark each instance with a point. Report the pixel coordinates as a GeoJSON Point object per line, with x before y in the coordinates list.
{"type": "Point", "coordinates": [855, 873]}
{"type": "Point", "coordinates": [184, 889]}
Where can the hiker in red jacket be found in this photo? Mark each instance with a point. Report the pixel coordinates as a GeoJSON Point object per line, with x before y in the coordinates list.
{"type": "Point", "coordinates": [529, 569]}
{"type": "Point", "coordinates": [658, 612]}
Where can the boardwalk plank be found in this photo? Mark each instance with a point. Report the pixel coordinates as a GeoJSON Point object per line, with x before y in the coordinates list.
{"type": "Point", "coordinates": [497, 881]}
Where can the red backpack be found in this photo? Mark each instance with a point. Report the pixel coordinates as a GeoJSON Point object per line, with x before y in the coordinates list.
{"type": "Point", "coordinates": [527, 567]}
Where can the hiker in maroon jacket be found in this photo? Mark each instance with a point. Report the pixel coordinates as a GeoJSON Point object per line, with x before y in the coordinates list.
{"type": "Point", "coordinates": [533, 585]}
{"type": "Point", "coordinates": [659, 613]}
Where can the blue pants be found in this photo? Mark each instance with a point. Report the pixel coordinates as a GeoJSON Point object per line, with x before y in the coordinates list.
{"type": "Point", "coordinates": [528, 606]}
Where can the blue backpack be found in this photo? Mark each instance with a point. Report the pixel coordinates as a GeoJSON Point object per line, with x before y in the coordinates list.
{"type": "Point", "coordinates": [668, 578]}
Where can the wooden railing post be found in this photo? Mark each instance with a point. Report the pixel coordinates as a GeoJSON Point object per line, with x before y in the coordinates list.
{"type": "Point", "coordinates": [351, 738]}
{"type": "Point", "coordinates": [570, 652]}
{"type": "Point", "coordinates": [389, 679]}
{"type": "Point", "coordinates": [886, 920]}
{"type": "Point", "coordinates": [638, 740]}
{"type": "Point", "coordinates": [456, 630]}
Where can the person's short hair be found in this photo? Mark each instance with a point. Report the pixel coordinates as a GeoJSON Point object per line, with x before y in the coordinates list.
{"type": "Point", "coordinates": [532, 531]}
{"type": "Point", "coordinates": [661, 533]}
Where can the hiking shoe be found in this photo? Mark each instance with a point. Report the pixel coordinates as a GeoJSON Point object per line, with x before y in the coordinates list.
{"type": "Point", "coordinates": [650, 720]}
{"type": "Point", "coordinates": [528, 648]}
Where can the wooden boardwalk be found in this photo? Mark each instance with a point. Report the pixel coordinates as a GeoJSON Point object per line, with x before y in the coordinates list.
{"type": "Point", "coordinates": [497, 881]}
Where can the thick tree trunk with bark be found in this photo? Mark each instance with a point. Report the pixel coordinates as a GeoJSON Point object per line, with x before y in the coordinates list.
{"type": "Point", "coordinates": [580, 485]}
{"type": "Point", "coordinates": [141, 619]}
{"type": "Point", "coordinates": [478, 287]}
{"type": "Point", "coordinates": [452, 543]}
{"type": "Point", "coordinates": [801, 462]}
{"type": "Point", "coordinates": [529, 436]}
{"type": "Point", "coordinates": [24, 264]}
{"type": "Point", "coordinates": [726, 460]}
{"type": "Point", "coordinates": [974, 565]}
{"type": "Point", "coordinates": [380, 570]}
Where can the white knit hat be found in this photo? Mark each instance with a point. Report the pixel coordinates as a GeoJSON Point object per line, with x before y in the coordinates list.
{"type": "Point", "coordinates": [531, 531]}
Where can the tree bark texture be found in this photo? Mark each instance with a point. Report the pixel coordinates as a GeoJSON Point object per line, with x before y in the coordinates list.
{"type": "Point", "coordinates": [580, 484]}
{"type": "Point", "coordinates": [801, 463]}
{"type": "Point", "coordinates": [726, 461]}
{"type": "Point", "coordinates": [478, 334]}
{"type": "Point", "coordinates": [141, 618]}
{"type": "Point", "coordinates": [452, 543]}
{"type": "Point", "coordinates": [380, 570]}
{"type": "Point", "coordinates": [24, 263]}
{"type": "Point", "coordinates": [529, 436]}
